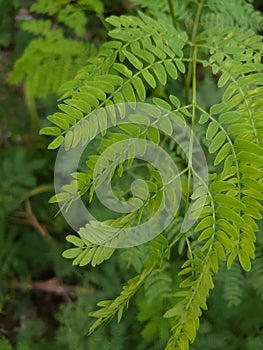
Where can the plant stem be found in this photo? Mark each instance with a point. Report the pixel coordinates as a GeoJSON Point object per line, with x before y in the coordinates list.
{"type": "Point", "coordinates": [105, 24]}
{"type": "Point", "coordinates": [191, 141]}
{"type": "Point", "coordinates": [32, 110]}
{"type": "Point", "coordinates": [193, 37]}
{"type": "Point", "coordinates": [175, 23]}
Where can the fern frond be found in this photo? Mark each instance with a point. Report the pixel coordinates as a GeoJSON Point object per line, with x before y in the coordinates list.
{"type": "Point", "coordinates": [70, 15]}
{"type": "Point", "coordinates": [109, 308]}
{"type": "Point", "coordinates": [151, 51]}
{"type": "Point", "coordinates": [46, 65]}
{"type": "Point", "coordinates": [256, 273]}
{"type": "Point", "coordinates": [154, 325]}
{"type": "Point", "coordinates": [52, 59]}
{"type": "Point", "coordinates": [141, 56]}
{"type": "Point", "coordinates": [86, 252]}
{"type": "Point", "coordinates": [195, 290]}
{"type": "Point", "coordinates": [160, 9]}
{"type": "Point", "coordinates": [231, 13]}
{"type": "Point", "coordinates": [237, 137]}
{"type": "Point", "coordinates": [227, 223]}
{"type": "Point", "coordinates": [233, 280]}
{"type": "Point", "coordinates": [135, 257]}
{"type": "Point", "coordinates": [158, 284]}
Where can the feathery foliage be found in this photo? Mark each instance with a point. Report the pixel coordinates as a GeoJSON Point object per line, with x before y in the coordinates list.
{"type": "Point", "coordinates": [146, 59]}
{"type": "Point", "coordinates": [53, 58]}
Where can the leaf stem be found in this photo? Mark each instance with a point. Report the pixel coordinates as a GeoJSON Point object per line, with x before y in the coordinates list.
{"type": "Point", "coordinates": [191, 141]}
{"type": "Point", "coordinates": [175, 23]}
{"type": "Point", "coordinates": [193, 37]}
{"type": "Point", "coordinates": [103, 21]}
{"type": "Point", "coordinates": [32, 110]}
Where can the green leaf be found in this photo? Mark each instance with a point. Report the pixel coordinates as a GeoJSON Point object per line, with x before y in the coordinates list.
{"type": "Point", "coordinates": [133, 59]}
{"type": "Point", "coordinates": [102, 120]}
{"type": "Point", "coordinates": [139, 119]}
{"type": "Point", "coordinates": [223, 79]}
{"type": "Point", "coordinates": [160, 72]}
{"type": "Point", "coordinates": [250, 158]}
{"type": "Point", "coordinates": [121, 68]}
{"type": "Point", "coordinates": [140, 189]}
{"type": "Point", "coordinates": [248, 146]}
{"type": "Point", "coordinates": [79, 257]}
{"type": "Point", "coordinates": [156, 51]}
{"type": "Point", "coordinates": [229, 201]}
{"type": "Point", "coordinates": [149, 78]}
{"type": "Point", "coordinates": [88, 97]}
{"type": "Point", "coordinates": [85, 129]}
{"type": "Point", "coordinates": [161, 103]}
{"type": "Point", "coordinates": [119, 315]}
{"type": "Point", "coordinates": [204, 223]}
{"type": "Point", "coordinates": [217, 108]}
{"type": "Point", "coordinates": [230, 214]}
{"type": "Point", "coordinates": [139, 87]}
{"type": "Point", "coordinates": [128, 93]}
{"type": "Point", "coordinates": [94, 90]}
{"type": "Point", "coordinates": [166, 125]}
{"type": "Point", "coordinates": [252, 184]}
{"type": "Point", "coordinates": [222, 154]}
{"type": "Point", "coordinates": [207, 233]}
{"type": "Point", "coordinates": [153, 134]}
{"type": "Point", "coordinates": [56, 143]}
{"type": "Point", "coordinates": [171, 69]}
{"type": "Point", "coordinates": [71, 253]}
{"type": "Point", "coordinates": [83, 106]}
{"type": "Point", "coordinates": [50, 130]}
{"type": "Point", "coordinates": [229, 117]}
{"type": "Point", "coordinates": [59, 121]}
{"type": "Point", "coordinates": [152, 187]}
{"type": "Point", "coordinates": [217, 142]}
{"type": "Point", "coordinates": [59, 197]}
{"type": "Point", "coordinates": [174, 311]}
{"type": "Point", "coordinates": [225, 240]}
{"type": "Point", "coordinates": [220, 251]}
{"type": "Point", "coordinates": [180, 66]}
{"type": "Point", "coordinates": [211, 130]}
{"type": "Point", "coordinates": [203, 118]}
{"type": "Point", "coordinates": [145, 55]}
{"type": "Point", "coordinates": [229, 92]}
{"type": "Point", "coordinates": [175, 101]}
{"type": "Point", "coordinates": [118, 98]}
{"type": "Point", "coordinates": [111, 111]}
{"type": "Point", "coordinates": [93, 126]}
{"type": "Point", "coordinates": [87, 258]}
{"type": "Point", "coordinates": [75, 240]}
{"type": "Point", "coordinates": [178, 119]}
{"type": "Point", "coordinates": [130, 129]}
{"type": "Point", "coordinates": [77, 132]}
{"type": "Point", "coordinates": [73, 112]}
{"type": "Point", "coordinates": [68, 139]}
{"type": "Point", "coordinates": [244, 260]}
{"type": "Point", "coordinates": [110, 79]}
{"type": "Point", "coordinates": [231, 259]}
{"type": "Point", "coordinates": [199, 192]}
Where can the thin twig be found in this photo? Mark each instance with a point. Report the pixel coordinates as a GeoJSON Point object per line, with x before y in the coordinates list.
{"type": "Point", "coordinates": [28, 217]}
{"type": "Point", "coordinates": [52, 285]}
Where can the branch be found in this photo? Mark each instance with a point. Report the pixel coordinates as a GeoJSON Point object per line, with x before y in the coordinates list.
{"type": "Point", "coordinates": [53, 286]}
{"type": "Point", "coordinates": [30, 219]}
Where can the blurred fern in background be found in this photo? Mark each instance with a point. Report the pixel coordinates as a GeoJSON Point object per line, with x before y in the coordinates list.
{"type": "Point", "coordinates": [190, 57]}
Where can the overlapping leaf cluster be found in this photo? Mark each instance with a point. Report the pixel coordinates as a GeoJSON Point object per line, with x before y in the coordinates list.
{"type": "Point", "coordinates": [146, 53]}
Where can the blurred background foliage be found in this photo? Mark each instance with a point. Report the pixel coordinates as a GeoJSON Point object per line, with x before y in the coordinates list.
{"type": "Point", "coordinates": [44, 300]}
